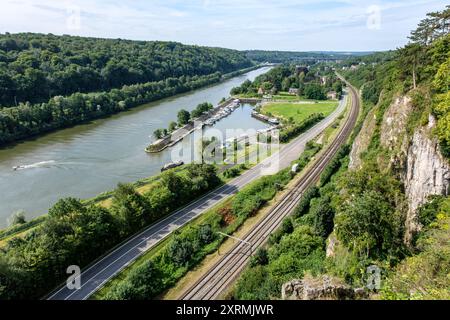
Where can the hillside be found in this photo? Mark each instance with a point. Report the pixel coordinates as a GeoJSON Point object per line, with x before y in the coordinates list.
{"type": "Point", "coordinates": [51, 82]}
{"type": "Point", "coordinates": [36, 67]}
{"type": "Point", "coordinates": [386, 205]}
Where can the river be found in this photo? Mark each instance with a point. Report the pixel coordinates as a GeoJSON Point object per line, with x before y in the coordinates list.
{"type": "Point", "coordinates": [91, 158]}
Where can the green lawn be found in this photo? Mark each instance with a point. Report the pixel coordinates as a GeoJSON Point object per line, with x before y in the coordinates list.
{"type": "Point", "coordinates": [298, 111]}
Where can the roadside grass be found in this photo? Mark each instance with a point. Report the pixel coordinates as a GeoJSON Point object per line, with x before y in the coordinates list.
{"type": "Point", "coordinates": [298, 112]}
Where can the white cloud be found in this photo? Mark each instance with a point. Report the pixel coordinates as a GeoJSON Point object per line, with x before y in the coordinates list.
{"type": "Point", "coordinates": [241, 24]}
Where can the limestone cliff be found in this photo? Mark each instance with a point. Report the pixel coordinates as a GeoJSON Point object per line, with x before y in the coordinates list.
{"type": "Point", "coordinates": [415, 158]}
{"type": "Point", "coordinates": [426, 173]}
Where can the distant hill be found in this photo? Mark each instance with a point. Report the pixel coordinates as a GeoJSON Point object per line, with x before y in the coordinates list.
{"type": "Point", "coordinates": [36, 67]}
{"type": "Point", "coordinates": [292, 56]}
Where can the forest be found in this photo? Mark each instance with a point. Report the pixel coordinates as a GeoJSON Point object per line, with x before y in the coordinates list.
{"type": "Point", "coordinates": [50, 82]}
{"type": "Point", "coordinates": [36, 67]}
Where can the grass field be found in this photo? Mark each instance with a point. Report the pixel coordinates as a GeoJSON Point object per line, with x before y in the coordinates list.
{"type": "Point", "coordinates": [298, 111]}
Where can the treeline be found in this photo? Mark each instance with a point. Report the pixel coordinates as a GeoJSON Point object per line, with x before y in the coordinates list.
{"type": "Point", "coordinates": [311, 82]}
{"type": "Point", "coordinates": [292, 56]}
{"type": "Point", "coordinates": [27, 119]}
{"type": "Point", "coordinates": [36, 67]}
{"type": "Point", "coordinates": [75, 234]}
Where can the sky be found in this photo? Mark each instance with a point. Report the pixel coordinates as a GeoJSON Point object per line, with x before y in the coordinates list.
{"type": "Point", "coordinates": [294, 25]}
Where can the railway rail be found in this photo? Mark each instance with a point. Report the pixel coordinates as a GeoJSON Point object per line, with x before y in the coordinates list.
{"type": "Point", "coordinates": [225, 271]}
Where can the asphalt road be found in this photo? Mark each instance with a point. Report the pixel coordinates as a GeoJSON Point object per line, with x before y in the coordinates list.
{"type": "Point", "coordinates": [96, 275]}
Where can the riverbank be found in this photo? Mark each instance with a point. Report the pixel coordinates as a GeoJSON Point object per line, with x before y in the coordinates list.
{"type": "Point", "coordinates": [87, 159]}
{"type": "Point", "coordinates": [97, 105]}
{"type": "Point", "coordinates": [217, 113]}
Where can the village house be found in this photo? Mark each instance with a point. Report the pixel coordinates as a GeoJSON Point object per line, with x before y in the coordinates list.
{"type": "Point", "coordinates": [332, 95]}
{"type": "Point", "coordinates": [293, 91]}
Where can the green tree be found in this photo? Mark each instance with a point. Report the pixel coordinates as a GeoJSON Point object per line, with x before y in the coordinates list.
{"type": "Point", "coordinates": [130, 207]}
{"type": "Point", "coordinates": [370, 226]}
{"type": "Point", "coordinates": [314, 91]}
{"type": "Point", "coordinates": [158, 133]}
{"type": "Point", "coordinates": [172, 126]}
{"type": "Point", "coordinates": [183, 117]}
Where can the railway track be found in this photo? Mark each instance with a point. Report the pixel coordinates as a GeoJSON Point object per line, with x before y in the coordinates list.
{"type": "Point", "coordinates": [226, 270]}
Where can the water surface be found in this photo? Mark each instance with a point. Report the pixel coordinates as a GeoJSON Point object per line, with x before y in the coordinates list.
{"type": "Point", "coordinates": [91, 158]}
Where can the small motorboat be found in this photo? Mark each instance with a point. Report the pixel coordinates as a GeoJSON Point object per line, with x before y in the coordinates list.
{"type": "Point", "coordinates": [172, 165]}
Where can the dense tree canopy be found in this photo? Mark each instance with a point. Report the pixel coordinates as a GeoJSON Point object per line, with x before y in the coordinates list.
{"type": "Point", "coordinates": [35, 67]}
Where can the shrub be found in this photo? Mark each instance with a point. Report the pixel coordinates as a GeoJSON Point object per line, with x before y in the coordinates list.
{"type": "Point", "coordinates": [142, 283]}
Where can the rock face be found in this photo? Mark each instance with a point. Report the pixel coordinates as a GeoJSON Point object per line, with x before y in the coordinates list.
{"type": "Point", "coordinates": [324, 288]}
{"type": "Point", "coordinates": [393, 127]}
{"type": "Point", "coordinates": [416, 159]}
{"type": "Point", "coordinates": [426, 173]}
{"type": "Point", "coordinates": [362, 141]}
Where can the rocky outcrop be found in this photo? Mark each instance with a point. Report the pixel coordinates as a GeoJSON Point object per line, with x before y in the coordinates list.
{"type": "Point", "coordinates": [415, 160]}
{"type": "Point", "coordinates": [393, 126]}
{"type": "Point", "coordinates": [362, 140]}
{"type": "Point", "coordinates": [324, 288]}
{"type": "Point", "coordinates": [426, 173]}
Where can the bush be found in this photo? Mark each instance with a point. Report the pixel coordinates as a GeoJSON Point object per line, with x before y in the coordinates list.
{"type": "Point", "coordinates": [304, 203]}
{"type": "Point", "coordinates": [142, 283]}
{"type": "Point", "coordinates": [323, 216]}
{"type": "Point", "coordinates": [259, 258]}
{"type": "Point", "coordinates": [334, 165]}
{"type": "Point", "coordinates": [180, 250]}
{"type": "Point", "coordinates": [18, 218]}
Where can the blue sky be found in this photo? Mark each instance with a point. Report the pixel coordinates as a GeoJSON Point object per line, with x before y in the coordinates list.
{"type": "Point", "coordinates": [297, 25]}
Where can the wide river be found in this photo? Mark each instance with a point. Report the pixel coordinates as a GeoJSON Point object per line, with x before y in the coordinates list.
{"type": "Point", "coordinates": [91, 158]}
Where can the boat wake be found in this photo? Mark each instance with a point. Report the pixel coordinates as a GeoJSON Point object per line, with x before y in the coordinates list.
{"type": "Point", "coordinates": [42, 164]}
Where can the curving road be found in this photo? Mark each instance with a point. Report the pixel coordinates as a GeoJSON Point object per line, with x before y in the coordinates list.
{"type": "Point", "coordinates": [96, 275]}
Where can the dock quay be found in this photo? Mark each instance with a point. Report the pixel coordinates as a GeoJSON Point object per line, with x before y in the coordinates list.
{"type": "Point", "coordinates": [222, 110]}
{"type": "Point", "coordinates": [262, 117]}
